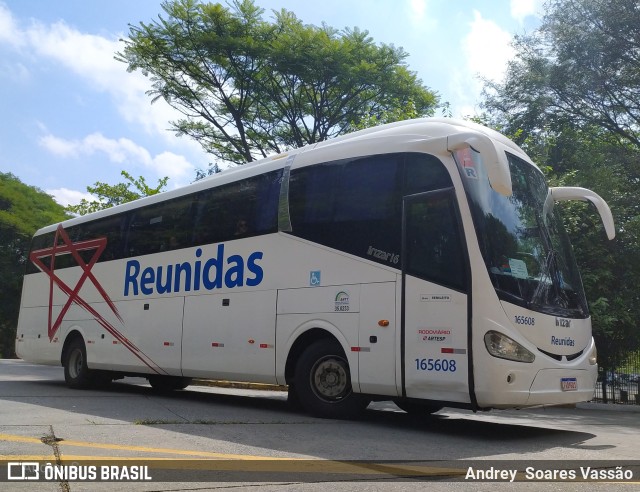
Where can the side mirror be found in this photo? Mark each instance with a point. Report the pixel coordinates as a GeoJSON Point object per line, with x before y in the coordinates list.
{"type": "Point", "coordinates": [565, 193]}
{"type": "Point", "coordinates": [494, 160]}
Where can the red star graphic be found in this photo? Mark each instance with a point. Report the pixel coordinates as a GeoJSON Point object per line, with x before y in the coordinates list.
{"type": "Point", "coordinates": [67, 247]}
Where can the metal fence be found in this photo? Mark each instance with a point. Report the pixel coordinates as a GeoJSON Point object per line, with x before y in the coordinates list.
{"type": "Point", "coordinates": [620, 385]}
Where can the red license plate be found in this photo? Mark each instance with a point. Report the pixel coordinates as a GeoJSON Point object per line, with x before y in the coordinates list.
{"type": "Point", "coordinates": [569, 384]}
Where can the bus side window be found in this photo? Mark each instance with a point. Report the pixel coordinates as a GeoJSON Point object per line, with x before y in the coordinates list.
{"type": "Point", "coordinates": [351, 205]}
{"type": "Point", "coordinates": [111, 228]}
{"type": "Point", "coordinates": [161, 227]}
{"type": "Point", "coordinates": [268, 195]}
{"type": "Point", "coordinates": [424, 172]}
{"type": "Point", "coordinates": [240, 209]}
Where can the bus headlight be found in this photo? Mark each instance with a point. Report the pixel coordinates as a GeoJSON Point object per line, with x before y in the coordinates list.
{"type": "Point", "coordinates": [503, 347]}
{"type": "Point", "coordinates": [593, 358]}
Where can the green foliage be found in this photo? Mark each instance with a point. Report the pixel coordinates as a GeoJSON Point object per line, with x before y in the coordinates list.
{"type": "Point", "coordinates": [112, 195]}
{"type": "Point", "coordinates": [23, 210]}
{"type": "Point", "coordinates": [398, 113]}
{"type": "Point", "coordinates": [209, 171]}
{"type": "Point", "coordinates": [571, 99]}
{"type": "Point", "coordinates": [610, 270]}
{"type": "Point", "coordinates": [580, 67]}
{"type": "Point", "coordinates": [248, 87]}
{"type": "Point", "coordinates": [630, 364]}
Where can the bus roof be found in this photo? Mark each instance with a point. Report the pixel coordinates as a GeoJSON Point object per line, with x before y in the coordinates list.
{"type": "Point", "coordinates": [422, 128]}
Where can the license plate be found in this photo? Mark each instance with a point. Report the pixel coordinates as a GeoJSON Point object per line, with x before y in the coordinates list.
{"type": "Point", "coordinates": [569, 384]}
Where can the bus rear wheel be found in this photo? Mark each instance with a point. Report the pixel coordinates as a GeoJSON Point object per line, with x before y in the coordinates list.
{"type": "Point", "coordinates": [165, 384]}
{"type": "Point", "coordinates": [322, 382]}
{"type": "Point", "coordinates": [77, 374]}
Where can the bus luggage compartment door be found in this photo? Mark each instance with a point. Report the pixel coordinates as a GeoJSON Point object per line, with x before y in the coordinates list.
{"type": "Point", "coordinates": [230, 336]}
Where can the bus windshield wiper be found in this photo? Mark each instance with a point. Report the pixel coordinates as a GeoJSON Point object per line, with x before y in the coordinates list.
{"type": "Point", "coordinates": [551, 272]}
{"type": "Point", "coordinates": [545, 272]}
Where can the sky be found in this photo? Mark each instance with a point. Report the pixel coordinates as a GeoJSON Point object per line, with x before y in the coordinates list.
{"type": "Point", "coordinates": [71, 115]}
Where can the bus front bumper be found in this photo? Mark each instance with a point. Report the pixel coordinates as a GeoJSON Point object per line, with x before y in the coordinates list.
{"type": "Point", "coordinates": [548, 387]}
{"type": "Point", "coordinates": [561, 386]}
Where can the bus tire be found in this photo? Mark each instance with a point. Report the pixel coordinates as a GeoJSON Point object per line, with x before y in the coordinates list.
{"type": "Point", "coordinates": [417, 408]}
{"type": "Point", "coordinates": [77, 374]}
{"type": "Point", "coordinates": [165, 384]}
{"type": "Point", "coordinates": [322, 382]}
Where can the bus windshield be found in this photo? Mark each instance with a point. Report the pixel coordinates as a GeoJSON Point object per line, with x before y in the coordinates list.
{"type": "Point", "coordinates": [523, 242]}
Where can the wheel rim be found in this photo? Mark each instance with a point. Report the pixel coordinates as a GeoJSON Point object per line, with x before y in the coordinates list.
{"type": "Point", "coordinates": [330, 378]}
{"type": "Point", "coordinates": [75, 363]}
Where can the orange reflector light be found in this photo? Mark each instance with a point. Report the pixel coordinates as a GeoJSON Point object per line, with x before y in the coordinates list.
{"type": "Point", "coordinates": [383, 322]}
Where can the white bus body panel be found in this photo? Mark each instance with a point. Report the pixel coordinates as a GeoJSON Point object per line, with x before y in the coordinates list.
{"type": "Point", "coordinates": [436, 354]}
{"type": "Point", "coordinates": [32, 342]}
{"type": "Point", "coordinates": [377, 359]}
{"type": "Point", "coordinates": [154, 326]}
{"type": "Point", "coordinates": [231, 336]}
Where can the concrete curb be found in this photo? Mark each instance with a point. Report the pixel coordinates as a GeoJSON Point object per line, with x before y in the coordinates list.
{"type": "Point", "coordinates": [608, 407]}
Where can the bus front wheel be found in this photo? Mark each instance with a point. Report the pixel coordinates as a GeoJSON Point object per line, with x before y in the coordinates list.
{"type": "Point", "coordinates": [77, 374]}
{"type": "Point", "coordinates": [323, 382]}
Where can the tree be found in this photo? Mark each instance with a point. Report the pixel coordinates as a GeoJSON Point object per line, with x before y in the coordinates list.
{"type": "Point", "coordinates": [112, 195]}
{"type": "Point", "coordinates": [595, 159]}
{"type": "Point", "coordinates": [23, 210]}
{"type": "Point", "coordinates": [571, 99]}
{"type": "Point", "coordinates": [248, 87]}
{"type": "Point", "coordinates": [581, 65]}
{"type": "Point", "coordinates": [211, 169]}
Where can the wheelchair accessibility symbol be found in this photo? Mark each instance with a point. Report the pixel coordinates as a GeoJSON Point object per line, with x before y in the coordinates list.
{"type": "Point", "coordinates": [314, 279]}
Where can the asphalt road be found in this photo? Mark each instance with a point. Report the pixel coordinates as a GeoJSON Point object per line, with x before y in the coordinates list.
{"type": "Point", "coordinates": [251, 439]}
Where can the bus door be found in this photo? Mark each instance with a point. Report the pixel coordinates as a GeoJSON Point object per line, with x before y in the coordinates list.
{"type": "Point", "coordinates": [435, 280]}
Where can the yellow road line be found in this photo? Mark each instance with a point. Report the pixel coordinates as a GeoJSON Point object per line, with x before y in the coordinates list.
{"type": "Point", "coordinates": [27, 457]}
{"type": "Point", "coordinates": [10, 437]}
{"type": "Point", "coordinates": [144, 449]}
{"type": "Point", "coordinates": [180, 452]}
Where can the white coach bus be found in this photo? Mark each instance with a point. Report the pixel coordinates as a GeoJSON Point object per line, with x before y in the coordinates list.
{"type": "Point", "coordinates": [421, 262]}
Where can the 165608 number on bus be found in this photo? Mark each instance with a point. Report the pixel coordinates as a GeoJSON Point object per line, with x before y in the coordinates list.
{"type": "Point", "coordinates": [438, 365]}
